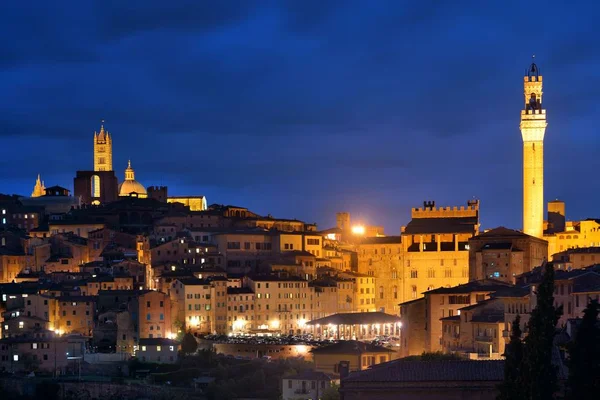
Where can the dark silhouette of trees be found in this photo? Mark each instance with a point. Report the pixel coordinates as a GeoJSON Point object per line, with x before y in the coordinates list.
{"type": "Point", "coordinates": [189, 345]}
{"type": "Point", "coordinates": [584, 357]}
{"type": "Point", "coordinates": [539, 379]}
{"type": "Point", "coordinates": [511, 388]}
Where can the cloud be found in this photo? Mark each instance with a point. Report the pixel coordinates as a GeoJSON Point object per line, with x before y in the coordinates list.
{"type": "Point", "coordinates": [334, 99]}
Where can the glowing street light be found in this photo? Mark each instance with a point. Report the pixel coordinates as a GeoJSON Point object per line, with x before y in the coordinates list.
{"type": "Point", "coordinates": [358, 230]}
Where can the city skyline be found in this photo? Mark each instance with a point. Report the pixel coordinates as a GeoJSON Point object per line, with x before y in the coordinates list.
{"type": "Point", "coordinates": [280, 113]}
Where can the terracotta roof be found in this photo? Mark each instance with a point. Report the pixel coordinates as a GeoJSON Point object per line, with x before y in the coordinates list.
{"type": "Point", "coordinates": [356, 319]}
{"type": "Point", "coordinates": [431, 371]}
{"type": "Point", "coordinates": [380, 240]}
{"type": "Point", "coordinates": [501, 232]}
{"type": "Point", "coordinates": [587, 283]}
{"type": "Point", "coordinates": [351, 347]}
{"type": "Point", "coordinates": [483, 285]}
{"type": "Point", "coordinates": [441, 225]}
{"type": "Point", "coordinates": [158, 342]}
{"type": "Point", "coordinates": [309, 375]}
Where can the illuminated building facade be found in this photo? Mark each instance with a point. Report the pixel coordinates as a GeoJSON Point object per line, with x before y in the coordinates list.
{"type": "Point", "coordinates": [131, 187]}
{"type": "Point", "coordinates": [102, 156]}
{"type": "Point", "coordinates": [533, 127]}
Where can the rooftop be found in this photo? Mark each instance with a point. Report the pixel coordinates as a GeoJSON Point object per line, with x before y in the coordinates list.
{"type": "Point", "coordinates": [441, 225]}
{"type": "Point", "coordinates": [431, 371]}
{"type": "Point", "coordinates": [484, 285]}
{"type": "Point", "coordinates": [359, 318]}
{"type": "Point", "coordinates": [351, 347]}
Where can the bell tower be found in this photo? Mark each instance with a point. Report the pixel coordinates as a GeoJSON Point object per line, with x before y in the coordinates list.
{"type": "Point", "coordinates": [533, 127]}
{"type": "Point", "coordinates": [102, 156]}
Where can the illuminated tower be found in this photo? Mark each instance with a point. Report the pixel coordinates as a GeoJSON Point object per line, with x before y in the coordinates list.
{"type": "Point", "coordinates": [533, 127]}
{"type": "Point", "coordinates": [39, 189]}
{"type": "Point", "coordinates": [102, 156]}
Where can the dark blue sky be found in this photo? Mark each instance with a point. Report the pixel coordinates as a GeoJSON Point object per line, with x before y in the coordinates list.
{"type": "Point", "coordinates": [304, 108]}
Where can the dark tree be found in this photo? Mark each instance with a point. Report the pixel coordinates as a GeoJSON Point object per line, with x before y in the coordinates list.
{"type": "Point", "coordinates": [47, 390]}
{"type": "Point", "coordinates": [584, 357]}
{"type": "Point", "coordinates": [539, 380]}
{"type": "Point", "coordinates": [511, 388]}
{"type": "Point", "coordinates": [189, 344]}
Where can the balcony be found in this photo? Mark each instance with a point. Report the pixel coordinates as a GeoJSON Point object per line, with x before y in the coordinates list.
{"type": "Point", "coordinates": [484, 338]}
{"type": "Point", "coordinates": [301, 391]}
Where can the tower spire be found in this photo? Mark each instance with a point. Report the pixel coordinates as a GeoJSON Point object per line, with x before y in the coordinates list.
{"type": "Point", "coordinates": [39, 189]}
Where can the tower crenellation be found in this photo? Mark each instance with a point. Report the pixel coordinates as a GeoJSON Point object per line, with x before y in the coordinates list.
{"type": "Point", "coordinates": [429, 210]}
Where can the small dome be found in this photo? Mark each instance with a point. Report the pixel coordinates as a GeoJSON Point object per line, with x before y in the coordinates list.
{"type": "Point", "coordinates": [130, 185]}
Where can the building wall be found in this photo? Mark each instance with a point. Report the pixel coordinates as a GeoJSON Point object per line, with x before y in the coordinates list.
{"type": "Point", "coordinates": [384, 262]}
{"type": "Point", "coordinates": [165, 354]}
{"type": "Point", "coordinates": [154, 315]}
{"type": "Point", "coordinates": [264, 350]}
{"type": "Point", "coordinates": [412, 330]}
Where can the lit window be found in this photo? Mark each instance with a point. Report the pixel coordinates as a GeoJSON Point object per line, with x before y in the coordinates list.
{"type": "Point", "coordinates": [34, 346]}
{"type": "Point", "coordinates": [21, 324]}
{"type": "Point", "coordinates": [158, 348]}
{"type": "Point", "coordinates": [172, 348]}
{"type": "Point", "coordinates": [16, 357]}
{"type": "Point", "coordinates": [143, 348]}
{"type": "Point", "coordinates": [4, 220]}
{"type": "Point", "coordinates": [25, 216]}
{"type": "Point", "coordinates": [3, 211]}
{"type": "Point", "coordinates": [6, 327]}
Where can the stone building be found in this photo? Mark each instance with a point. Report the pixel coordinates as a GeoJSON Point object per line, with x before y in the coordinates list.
{"type": "Point", "coordinates": [381, 258]}
{"type": "Point", "coordinates": [421, 328]}
{"type": "Point", "coordinates": [503, 253]}
{"type": "Point", "coordinates": [435, 247]}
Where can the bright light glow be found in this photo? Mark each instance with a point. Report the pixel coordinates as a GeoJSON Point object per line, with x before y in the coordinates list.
{"type": "Point", "coordinates": [275, 324]}
{"type": "Point", "coordinates": [171, 336]}
{"type": "Point", "coordinates": [331, 236]}
{"type": "Point", "coordinates": [16, 357]}
{"type": "Point", "coordinates": [173, 268]}
{"type": "Point", "coordinates": [302, 349]}
{"type": "Point", "coordinates": [358, 230]}
{"type": "Point", "coordinates": [238, 325]}
{"type": "Point", "coordinates": [301, 323]}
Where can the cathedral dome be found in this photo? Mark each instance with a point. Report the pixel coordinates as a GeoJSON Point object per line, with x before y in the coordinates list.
{"type": "Point", "coordinates": [130, 185]}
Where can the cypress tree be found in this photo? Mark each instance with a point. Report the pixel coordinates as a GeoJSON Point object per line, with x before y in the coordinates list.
{"type": "Point", "coordinates": [511, 388]}
{"type": "Point", "coordinates": [189, 344]}
{"type": "Point", "coordinates": [539, 380]}
{"type": "Point", "coordinates": [584, 357]}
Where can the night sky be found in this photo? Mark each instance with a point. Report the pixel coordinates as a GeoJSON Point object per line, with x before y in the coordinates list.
{"type": "Point", "coordinates": [304, 108]}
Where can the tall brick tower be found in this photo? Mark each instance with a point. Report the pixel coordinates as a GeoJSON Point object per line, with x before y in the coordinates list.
{"type": "Point", "coordinates": [102, 156]}
{"type": "Point", "coordinates": [533, 127]}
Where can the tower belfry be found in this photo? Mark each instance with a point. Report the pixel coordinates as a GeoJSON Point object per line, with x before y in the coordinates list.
{"type": "Point", "coordinates": [533, 127]}
{"type": "Point", "coordinates": [102, 156]}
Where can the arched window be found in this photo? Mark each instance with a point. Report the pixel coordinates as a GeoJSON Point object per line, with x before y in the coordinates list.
{"type": "Point", "coordinates": [395, 291]}
{"type": "Point", "coordinates": [381, 292]}
{"type": "Point", "coordinates": [95, 186]}
{"type": "Point", "coordinates": [413, 291]}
